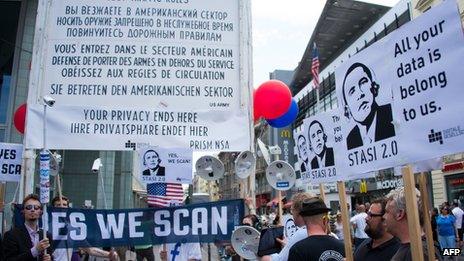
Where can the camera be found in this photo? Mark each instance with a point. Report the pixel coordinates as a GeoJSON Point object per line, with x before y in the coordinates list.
{"type": "Point", "coordinates": [96, 165]}
{"type": "Point", "coordinates": [49, 101]}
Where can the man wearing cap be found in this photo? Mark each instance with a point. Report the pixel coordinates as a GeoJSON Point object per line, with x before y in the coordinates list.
{"type": "Point", "coordinates": [381, 245]}
{"type": "Point", "coordinates": [318, 245]}
{"type": "Point", "coordinates": [299, 235]}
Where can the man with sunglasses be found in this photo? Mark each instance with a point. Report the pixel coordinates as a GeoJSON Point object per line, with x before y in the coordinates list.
{"type": "Point", "coordinates": [26, 243]}
{"type": "Point", "coordinates": [318, 245]}
{"type": "Point", "coordinates": [381, 245]}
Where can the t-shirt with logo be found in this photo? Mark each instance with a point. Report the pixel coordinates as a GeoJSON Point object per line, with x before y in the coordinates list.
{"type": "Point", "coordinates": [318, 248]}
{"type": "Point", "coordinates": [183, 251]}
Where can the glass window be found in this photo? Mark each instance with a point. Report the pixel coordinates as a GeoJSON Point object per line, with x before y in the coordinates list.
{"type": "Point", "coordinates": [9, 16]}
{"type": "Point", "coordinates": [4, 95]}
{"type": "Point", "coordinates": [455, 188]}
{"type": "Point", "coordinates": [2, 135]}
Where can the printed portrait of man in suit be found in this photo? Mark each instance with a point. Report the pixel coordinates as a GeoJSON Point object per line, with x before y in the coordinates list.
{"type": "Point", "coordinates": [151, 161]}
{"type": "Point", "coordinates": [317, 144]}
{"type": "Point", "coordinates": [373, 121]}
{"type": "Point", "coordinates": [303, 152]}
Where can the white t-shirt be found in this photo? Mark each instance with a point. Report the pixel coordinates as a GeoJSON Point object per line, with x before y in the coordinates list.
{"type": "Point", "coordinates": [339, 230]}
{"type": "Point", "coordinates": [360, 221]}
{"type": "Point", "coordinates": [458, 213]}
{"type": "Point", "coordinates": [299, 235]}
{"type": "Point", "coordinates": [183, 252]}
{"type": "Point", "coordinates": [62, 254]}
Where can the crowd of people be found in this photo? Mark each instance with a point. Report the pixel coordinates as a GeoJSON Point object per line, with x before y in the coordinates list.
{"type": "Point", "coordinates": [379, 232]}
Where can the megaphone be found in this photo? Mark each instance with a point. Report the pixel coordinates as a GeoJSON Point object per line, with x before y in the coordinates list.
{"type": "Point", "coordinates": [245, 164]}
{"type": "Point", "coordinates": [245, 240]}
{"type": "Point", "coordinates": [209, 168]}
{"type": "Point", "coordinates": [280, 175]}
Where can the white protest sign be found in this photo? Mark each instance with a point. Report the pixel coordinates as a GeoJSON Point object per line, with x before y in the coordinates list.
{"type": "Point", "coordinates": [323, 133]}
{"type": "Point", "coordinates": [11, 156]}
{"type": "Point", "coordinates": [303, 152]}
{"type": "Point", "coordinates": [428, 57]}
{"type": "Point", "coordinates": [393, 94]}
{"type": "Point", "coordinates": [174, 73]}
{"type": "Point", "coordinates": [422, 166]}
{"type": "Point", "coordinates": [165, 165]}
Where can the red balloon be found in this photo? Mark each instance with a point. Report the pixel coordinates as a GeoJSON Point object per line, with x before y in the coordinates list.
{"type": "Point", "coordinates": [273, 99]}
{"type": "Point", "coordinates": [19, 118]}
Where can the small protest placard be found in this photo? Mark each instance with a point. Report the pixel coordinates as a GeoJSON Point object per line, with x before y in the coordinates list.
{"type": "Point", "coordinates": [324, 136]}
{"type": "Point", "coordinates": [11, 156]}
{"type": "Point", "coordinates": [165, 165]}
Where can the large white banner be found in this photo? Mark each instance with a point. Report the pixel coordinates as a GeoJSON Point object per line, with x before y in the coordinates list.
{"type": "Point", "coordinates": [324, 137]}
{"type": "Point", "coordinates": [11, 156]}
{"type": "Point", "coordinates": [401, 96]}
{"type": "Point", "coordinates": [170, 73]}
{"type": "Point", "coordinates": [165, 165]}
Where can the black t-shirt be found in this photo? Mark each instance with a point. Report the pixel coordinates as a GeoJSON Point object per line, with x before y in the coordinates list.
{"type": "Point", "coordinates": [382, 252]}
{"type": "Point", "coordinates": [317, 248]}
{"type": "Point", "coordinates": [404, 252]}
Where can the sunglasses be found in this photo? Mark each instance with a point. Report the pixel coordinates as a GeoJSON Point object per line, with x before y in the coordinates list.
{"type": "Point", "coordinates": [370, 214]}
{"type": "Point", "coordinates": [30, 207]}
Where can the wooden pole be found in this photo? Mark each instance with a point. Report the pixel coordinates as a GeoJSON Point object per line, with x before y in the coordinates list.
{"type": "Point", "coordinates": [425, 209]}
{"type": "Point", "coordinates": [345, 221]}
{"type": "Point", "coordinates": [417, 252]}
{"type": "Point", "coordinates": [279, 198]}
{"type": "Point", "coordinates": [321, 191]}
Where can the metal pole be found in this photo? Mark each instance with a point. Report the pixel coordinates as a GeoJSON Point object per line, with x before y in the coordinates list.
{"type": "Point", "coordinates": [44, 214]}
{"type": "Point", "coordinates": [103, 190]}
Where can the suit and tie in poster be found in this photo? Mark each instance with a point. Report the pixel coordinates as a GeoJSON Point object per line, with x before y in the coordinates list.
{"type": "Point", "coordinates": [303, 153]}
{"type": "Point", "coordinates": [399, 97]}
{"type": "Point", "coordinates": [323, 133]}
{"type": "Point", "coordinates": [365, 102]}
{"type": "Point", "coordinates": [165, 165]}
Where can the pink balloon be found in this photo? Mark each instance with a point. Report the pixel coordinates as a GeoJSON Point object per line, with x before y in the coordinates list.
{"type": "Point", "coordinates": [273, 99]}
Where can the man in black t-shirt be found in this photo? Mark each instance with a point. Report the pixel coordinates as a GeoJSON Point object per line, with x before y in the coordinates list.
{"type": "Point", "coordinates": [381, 245]}
{"type": "Point", "coordinates": [396, 221]}
{"type": "Point", "coordinates": [318, 246]}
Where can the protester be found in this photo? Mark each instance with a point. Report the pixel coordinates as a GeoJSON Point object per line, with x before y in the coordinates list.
{"type": "Point", "coordinates": [299, 235]}
{"type": "Point", "coordinates": [339, 226]}
{"type": "Point", "coordinates": [318, 245]}
{"type": "Point", "coordinates": [64, 254]}
{"type": "Point", "coordinates": [433, 221]}
{"type": "Point", "coordinates": [359, 225]}
{"type": "Point", "coordinates": [458, 213]}
{"type": "Point", "coordinates": [26, 243]}
{"type": "Point", "coordinates": [181, 252]}
{"type": "Point", "coordinates": [144, 251]}
{"type": "Point", "coordinates": [396, 220]}
{"type": "Point", "coordinates": [446, 230]}
{"type": "Point", "coordinates": [381, 245]}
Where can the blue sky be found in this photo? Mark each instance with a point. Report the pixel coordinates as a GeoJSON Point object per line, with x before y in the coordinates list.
{"type": "Point", "coordinates": [281, 31]}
